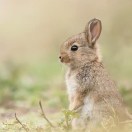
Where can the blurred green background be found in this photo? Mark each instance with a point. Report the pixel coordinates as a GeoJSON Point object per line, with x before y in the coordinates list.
{"type": "Point", "coordinates": [31, 32]}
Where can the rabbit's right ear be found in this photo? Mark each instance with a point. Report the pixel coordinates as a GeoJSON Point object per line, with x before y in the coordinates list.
{"type": "Point", "coordinates": [92, 31]}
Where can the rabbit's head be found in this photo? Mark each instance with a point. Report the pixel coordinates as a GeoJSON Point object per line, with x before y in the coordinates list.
{"type": "Point", "coordinates": [82, 48]}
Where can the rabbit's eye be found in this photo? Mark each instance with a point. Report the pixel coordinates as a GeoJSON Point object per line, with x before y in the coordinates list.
{"type": "Point", "coordinates": [74, 48]}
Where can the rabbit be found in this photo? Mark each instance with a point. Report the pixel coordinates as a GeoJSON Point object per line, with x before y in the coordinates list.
{"type": "Point", "coordinates": [91, 92]}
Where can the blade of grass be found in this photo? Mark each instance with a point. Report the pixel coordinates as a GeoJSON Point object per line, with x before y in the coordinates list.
{"type": "Point", "coordinates": [43, 114]}
{"type": "Point", "coordinates": [23, 126]}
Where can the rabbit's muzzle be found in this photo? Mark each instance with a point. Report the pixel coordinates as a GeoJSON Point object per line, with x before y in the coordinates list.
{"type": "Point", "coordinates": [64, 58]}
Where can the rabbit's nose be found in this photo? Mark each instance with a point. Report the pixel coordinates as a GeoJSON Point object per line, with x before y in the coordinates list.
{"type": "Point", "coordinates": [59, 57]}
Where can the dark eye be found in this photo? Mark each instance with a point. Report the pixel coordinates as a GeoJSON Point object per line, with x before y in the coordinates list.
{"type": "Point", "coordinates": [74, 48]}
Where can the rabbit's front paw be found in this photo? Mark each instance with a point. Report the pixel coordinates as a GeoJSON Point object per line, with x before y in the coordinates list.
{"type": "Point", "coordinates": [75, 105]}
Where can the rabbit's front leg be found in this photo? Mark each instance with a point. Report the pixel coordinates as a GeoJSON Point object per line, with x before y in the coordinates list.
{"type": "Point", "coordinates": [77, 100]}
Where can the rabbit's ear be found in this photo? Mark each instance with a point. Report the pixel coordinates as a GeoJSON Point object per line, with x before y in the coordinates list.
{"type": "Point", "coordinates": [93, 30]}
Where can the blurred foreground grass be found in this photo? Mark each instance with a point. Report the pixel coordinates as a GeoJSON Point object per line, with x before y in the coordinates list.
{"type": "Point", "coordinates": [61, 122]}
{"type": "Point", "coordinates": [21, 88]}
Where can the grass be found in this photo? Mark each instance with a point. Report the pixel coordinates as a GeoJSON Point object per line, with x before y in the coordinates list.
{"type": "Point", "coordinates": [21, 88]}
{"type": "Point", "coordinates": [61, 122]}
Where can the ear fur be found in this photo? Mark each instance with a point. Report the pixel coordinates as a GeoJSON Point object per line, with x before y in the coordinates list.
{"type": "Point", "coordinates": [93, 31]}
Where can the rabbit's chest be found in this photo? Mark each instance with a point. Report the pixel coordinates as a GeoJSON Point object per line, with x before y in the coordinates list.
{"type": "Point", "coordinates": [87, 108]}
{"type": "Point", "coordinates": [71, 84]}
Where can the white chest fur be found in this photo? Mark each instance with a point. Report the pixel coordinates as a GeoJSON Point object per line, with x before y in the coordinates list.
{"type": "Point", "coordinates": [71, 83]}
{"type": "Point", "coordinates": [87, 108]}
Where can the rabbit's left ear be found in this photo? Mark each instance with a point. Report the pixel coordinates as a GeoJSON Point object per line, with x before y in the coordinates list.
{"type": "Point", "coordinates": [92, 31]}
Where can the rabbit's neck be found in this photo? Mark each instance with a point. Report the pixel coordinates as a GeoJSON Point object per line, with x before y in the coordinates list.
{"type": "Point", "coordinates": [76, 68]}
{"type": "Point", "coordinates": [86, 62]}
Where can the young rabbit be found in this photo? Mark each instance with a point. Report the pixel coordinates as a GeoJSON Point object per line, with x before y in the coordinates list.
{"type": "Point", "coordinates": [92, 93]}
